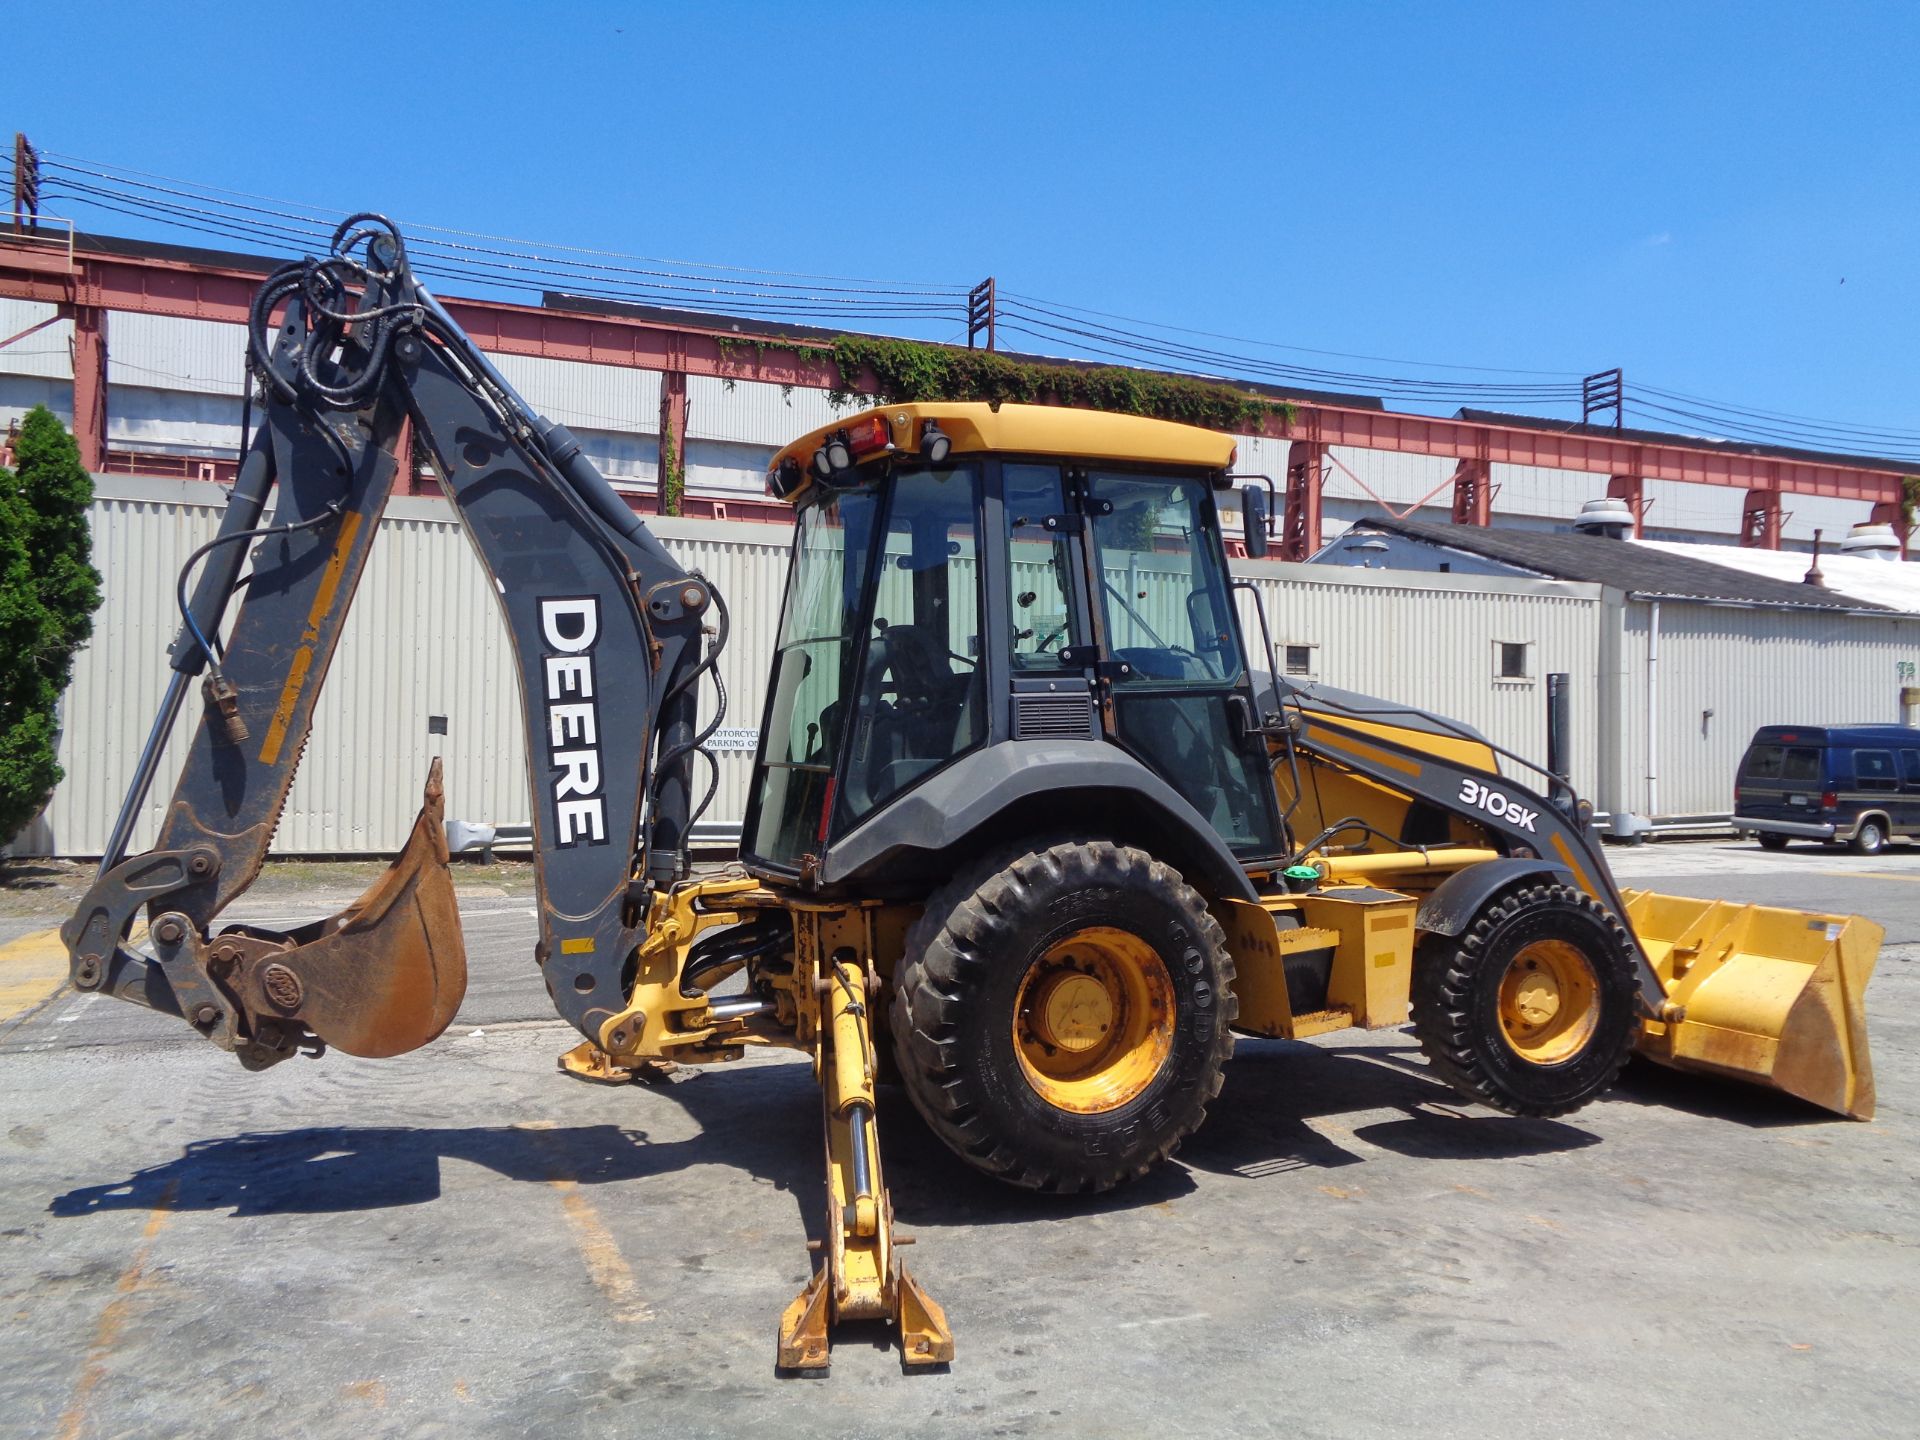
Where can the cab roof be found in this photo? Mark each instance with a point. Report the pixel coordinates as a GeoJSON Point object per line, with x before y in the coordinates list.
{"type": "Point", "coordinates": [977, 427]}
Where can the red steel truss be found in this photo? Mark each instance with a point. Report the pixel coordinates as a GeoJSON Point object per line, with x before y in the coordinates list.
{"type": "Point", "coordinates": [87, 282]}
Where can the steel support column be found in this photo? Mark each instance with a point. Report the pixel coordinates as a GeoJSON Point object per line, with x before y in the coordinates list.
{"type": "Point", "coordinates": [1760, 525]}
{"type": "Point", "coordinates": [90, 384]}
{"type": "Point", "coordinates": [1633, 490]}
{"type": "Point", "coordinates": [1473, 493]}
{"type": "Point", "coordinates": [673, 441]}
{"type": "Point", "coordinates": [1306, 477]}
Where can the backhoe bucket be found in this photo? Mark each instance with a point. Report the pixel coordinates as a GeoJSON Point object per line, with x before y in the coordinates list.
{"type": "Point", "coordinates": [1775, 997]}
{"type": "Point", "coordinates": [385, 975]}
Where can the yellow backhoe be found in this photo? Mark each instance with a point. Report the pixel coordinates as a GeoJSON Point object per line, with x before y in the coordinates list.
{"type": "Point", "coordinates": [1027, 820]}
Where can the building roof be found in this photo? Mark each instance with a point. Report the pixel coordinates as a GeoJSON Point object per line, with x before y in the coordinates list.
{"type": "Point", "coordinates": [1869, 582]}
{"type": "Point", "coordinates": [1642, 569]}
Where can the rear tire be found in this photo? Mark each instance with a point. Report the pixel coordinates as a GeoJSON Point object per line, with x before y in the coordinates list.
{"type": "Point", "coordinates": [1770, 841]}
{"type": "Point", "coordinates": [1531, 1010]}
{"type": "Point", "coordinates": [1870, 838]}
{"type": "Point", "coordinates": [1061, 1018]}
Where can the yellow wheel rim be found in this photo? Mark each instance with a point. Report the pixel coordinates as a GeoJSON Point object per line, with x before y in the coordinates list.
{"type": "Point", "coordinates": [1093, 1020]}
{"type": "Point", "coordinates": [1549, 1002]}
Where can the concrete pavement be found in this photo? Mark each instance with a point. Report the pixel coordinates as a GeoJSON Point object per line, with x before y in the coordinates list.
{"type": "Point", "coordinates": [463, 1241]}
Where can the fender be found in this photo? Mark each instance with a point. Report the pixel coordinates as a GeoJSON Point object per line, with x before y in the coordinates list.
{"type": "Point", "coordinates": [961, 799]}
{"type": "Point", "coordinates": [1450, 909]}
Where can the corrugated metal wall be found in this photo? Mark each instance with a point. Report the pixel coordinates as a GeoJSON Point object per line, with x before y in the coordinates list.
{"type": "Point", "coordinates": [425, 639]}
{"type": "Point", "coordinates": [1430, 641]}
{"type": "Point", "coordinates": [1749, 668]}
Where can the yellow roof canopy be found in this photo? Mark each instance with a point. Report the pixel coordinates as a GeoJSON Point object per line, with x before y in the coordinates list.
{"type": "Point", "coordinates": [975, 427]}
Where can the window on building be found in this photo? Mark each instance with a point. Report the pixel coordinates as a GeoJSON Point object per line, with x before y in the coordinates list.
{"type": "Point", "coordinates": [1299, 659]}
{"type": "Point", "coordinates": [1512, 660]}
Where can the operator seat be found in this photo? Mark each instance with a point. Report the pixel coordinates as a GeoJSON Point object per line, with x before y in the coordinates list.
{"type": "Point", "coordinates": [917, 713]}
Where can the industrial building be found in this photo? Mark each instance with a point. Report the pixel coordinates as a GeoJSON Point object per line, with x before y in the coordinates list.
{"type": "Point", "coordinates": [138, 347]}
{"type": "Point", "coordinates": [1693, 648]}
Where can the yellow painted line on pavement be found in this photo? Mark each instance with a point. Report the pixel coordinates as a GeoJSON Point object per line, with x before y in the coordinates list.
{"type": "Point", "coordinates": [612, 1276]}
{"type": "Point", "coordinates": [606, 1266]}
{"type": "Point", "coordinates": [33, 969]}
{"type": "Point", "coordinates": [113, 1320]}
{"type": "Point", "coordinates": [1871, 875]}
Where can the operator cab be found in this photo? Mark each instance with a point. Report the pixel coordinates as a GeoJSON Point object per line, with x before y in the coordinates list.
{"type": "Point", "coordinates": [965, 577]}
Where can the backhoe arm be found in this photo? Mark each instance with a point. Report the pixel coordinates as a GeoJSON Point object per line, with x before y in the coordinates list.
{"type": "Point", "coordinates": [607, 634]}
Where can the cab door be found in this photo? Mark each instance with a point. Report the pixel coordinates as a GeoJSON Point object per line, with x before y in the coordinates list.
{"type": "Point", "coordinates": [1167, 648]}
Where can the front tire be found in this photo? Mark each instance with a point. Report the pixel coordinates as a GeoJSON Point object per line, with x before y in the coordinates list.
{"type": "Point", "coordinates": [1061, 1019]}
{"type": "Point", "coordinates": [1531, 1010]}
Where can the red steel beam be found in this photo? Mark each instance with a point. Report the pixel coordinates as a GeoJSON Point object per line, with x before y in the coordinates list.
{"type": "Point", "coordinates": [1761, 520]}
{"type": "Point", "coordinates": [157, 286]}
{"type": "Point", "coordinates": [89, 383]}
{"type": "Point", "coordinates": [1633, 490]}
{"type": "Point", "coordinates": [1473, 493]}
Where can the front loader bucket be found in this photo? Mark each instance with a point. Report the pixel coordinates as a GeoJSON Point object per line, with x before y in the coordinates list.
{"type": "Point", "coordinates": [385, 975]}
{"type": "Point", "coordinates": [1776, 997]}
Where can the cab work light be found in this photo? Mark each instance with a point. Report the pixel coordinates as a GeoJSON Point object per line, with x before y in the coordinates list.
{"type": "Point", "coordinates": [843, 449]}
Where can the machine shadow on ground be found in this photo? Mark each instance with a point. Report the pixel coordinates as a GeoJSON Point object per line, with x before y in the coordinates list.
{"type": "Point", "coordinates": [766, 1119]}
{"type": "Point", "coordinates": [1712, 1098]}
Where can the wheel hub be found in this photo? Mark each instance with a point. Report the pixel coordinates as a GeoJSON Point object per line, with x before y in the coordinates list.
{"type": "Point", "coordinates": [1536, 998]}
{"type": "Point", "coordinates": [1072, 1011]}
{"type": "Point", "coordinates": [1549, 1002]}
{"type": "Point", "coordinates": [1093, 1020]}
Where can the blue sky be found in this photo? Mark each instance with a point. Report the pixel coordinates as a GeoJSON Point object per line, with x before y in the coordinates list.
{"type": "Point", "coordinates": [1679, 189]}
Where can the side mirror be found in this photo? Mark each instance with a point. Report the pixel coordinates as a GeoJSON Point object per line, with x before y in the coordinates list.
{"type": "Point", "coordinates": [1253, 513]}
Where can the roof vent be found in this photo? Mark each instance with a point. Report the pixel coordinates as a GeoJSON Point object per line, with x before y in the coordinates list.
{"type": "Point", "coordinates": [1872, 542]}
{"type": "Point", "coordinates": [1611, 518]}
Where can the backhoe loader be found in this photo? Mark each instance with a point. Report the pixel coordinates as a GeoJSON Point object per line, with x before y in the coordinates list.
{"type": "Point", "coordinates": [1025, 818]}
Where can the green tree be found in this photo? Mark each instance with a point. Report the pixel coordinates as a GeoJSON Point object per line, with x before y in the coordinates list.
{"type": "Point", "coordinates": [48, 593]}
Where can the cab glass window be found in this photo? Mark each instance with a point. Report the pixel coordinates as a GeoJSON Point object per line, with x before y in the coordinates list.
{"type": "Point", "coordinates": [812, 663]}
{"type": "Point", "coordinates": [1039, 567]}
{"type": "Point", "coordinates": [1162, 581]}
{"type": "Point", "coordinates": [921, 695]}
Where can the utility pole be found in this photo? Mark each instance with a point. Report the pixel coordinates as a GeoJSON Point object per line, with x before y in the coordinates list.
{"type": "Point", "coordinates": [1601, 391]}
{"type": "Point", "coordinates": [982, 305]}
{"type": "Point", "coordinates": [26, 183]}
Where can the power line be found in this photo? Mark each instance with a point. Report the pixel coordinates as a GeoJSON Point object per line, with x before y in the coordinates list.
{"type": "Point", "coordinates": [99, 166]}
{"type": "Point", "coordinates": [443, 253]}
{"type": "Point", "coordinates": [1274, 345]}
{"type": "Point", "coordinates": [1804, 421]}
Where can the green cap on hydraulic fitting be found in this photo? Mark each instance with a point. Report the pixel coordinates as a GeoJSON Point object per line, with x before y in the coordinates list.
{"type": "Point", "coordinates": [1299, 877]}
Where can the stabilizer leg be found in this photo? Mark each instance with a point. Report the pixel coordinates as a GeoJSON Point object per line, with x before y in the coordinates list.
{"type": "Point", "coordinates": [861, 1276]}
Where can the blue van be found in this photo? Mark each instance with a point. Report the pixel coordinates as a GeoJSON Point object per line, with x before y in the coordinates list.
{"type": "Point", "coordinates": [1854, 783]}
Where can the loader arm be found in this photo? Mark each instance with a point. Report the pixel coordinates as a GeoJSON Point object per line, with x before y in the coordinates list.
{"type": "Point", "coordinates": [1764, 995]}
{"type": "Point", "coordinates": [1551, 829]}
{"type": "Point", "coordinates": [607, 637]}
